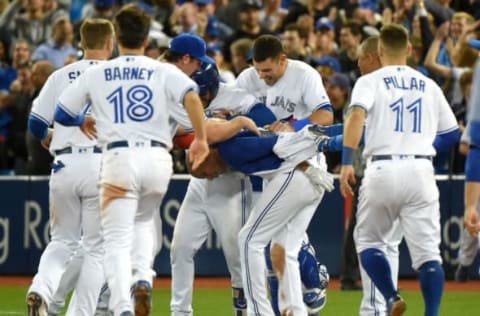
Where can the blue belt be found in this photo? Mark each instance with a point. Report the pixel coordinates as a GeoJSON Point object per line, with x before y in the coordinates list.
{"type": "Point", "coordinates": [391, 157]}
{"type": "Point", "coordinates": [69, 150]}
{"type": "Point", "coordinates": [124, 143]}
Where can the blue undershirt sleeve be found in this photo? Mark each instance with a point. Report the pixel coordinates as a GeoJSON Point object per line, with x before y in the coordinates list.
{"type": "Point", "coordinates": [37, 127]}
{"type": "Point", "coordinates": [66, 119]}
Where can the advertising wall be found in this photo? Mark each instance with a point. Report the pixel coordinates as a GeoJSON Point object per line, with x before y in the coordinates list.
{"type": "Point", "coordinates": [24, 228]}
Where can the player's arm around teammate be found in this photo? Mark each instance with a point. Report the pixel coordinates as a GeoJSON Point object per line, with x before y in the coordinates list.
{"type": "Point", "coordinates": [73, 190]}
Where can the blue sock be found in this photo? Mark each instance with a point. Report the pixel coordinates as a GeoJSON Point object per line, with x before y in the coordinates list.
{"type": "Point", "coordinates": [272, 282]}
{"type": "Point", "coordinates": [432, 279]}
{"type": "Point", "coordinates": [378, 269]}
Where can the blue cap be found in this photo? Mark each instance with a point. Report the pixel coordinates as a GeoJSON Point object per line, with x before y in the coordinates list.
{"type": "Point", "coordinates": [330, 61]}
{"type": "Point", "coordinates": [212, 29]}
{"type": "Point", "coordinates": [474, 43]}
{"type": "Point", "coordinates": [190, 44]}
{"type": "Point", "coordinates": [202, 2]}
{"type": "Point", "coordinates": [103, 4]}
{"type": "Point", "coordinates": [214, 48]}
{"type": "Point", "coordinates": [340, 80]}
{"type": "Point", "coordinates": [324, 22]}
{"type": "Point", "coordinates": [368, 4]}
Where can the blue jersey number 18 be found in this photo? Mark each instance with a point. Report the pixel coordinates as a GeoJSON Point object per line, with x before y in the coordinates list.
{"type": "Point", "coordinates": [139, 108]}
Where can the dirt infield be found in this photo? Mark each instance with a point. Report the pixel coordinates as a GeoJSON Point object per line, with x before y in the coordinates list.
{"type": "Point", "coordinates": [217, 282]}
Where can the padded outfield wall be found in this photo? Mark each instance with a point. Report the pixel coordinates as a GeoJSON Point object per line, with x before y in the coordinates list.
{"type": "Point", "coordinates": [24, 228]}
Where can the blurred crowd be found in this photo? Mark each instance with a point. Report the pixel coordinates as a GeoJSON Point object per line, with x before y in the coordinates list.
{"type": "Point", "coordinates": [39, 36]}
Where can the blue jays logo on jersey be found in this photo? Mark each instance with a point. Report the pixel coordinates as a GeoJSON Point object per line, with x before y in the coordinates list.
{"type": "Point", "coordinates": [287, 104]}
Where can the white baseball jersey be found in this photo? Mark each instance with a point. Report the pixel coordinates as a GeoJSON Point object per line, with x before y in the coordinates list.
{"type": "Point", "coordinates": [404, 114]}
{"type": "Point", "coordinates": [130, 98]}
{"type": "Point", "coordinates": [44, 105]}
{"type": "Point", "coordinates": [299, 92]}
{"type": "Point", "coordinates": [230, 97]}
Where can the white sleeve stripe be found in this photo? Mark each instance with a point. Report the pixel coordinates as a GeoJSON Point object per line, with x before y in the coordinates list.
{"type": "Point", "coordinates": [318, 107]}
{"type": "Point", "coordinates": [447, 130]}
{"type": "Point", "coordinates": [63, 107]}
{"type": "Point", "coordinates": [187, 90]}
{"type": "Point", "coordinates": [41, 118]}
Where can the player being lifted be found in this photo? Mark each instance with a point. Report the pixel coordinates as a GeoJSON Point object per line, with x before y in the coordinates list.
{"type": "Point", "coordinates": [201, 208]}
{"type": "Point", "coordinates": [405, 113]}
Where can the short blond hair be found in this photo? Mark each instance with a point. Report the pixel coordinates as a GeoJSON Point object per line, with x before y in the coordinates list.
{"type": "Point", "coordinates": [94, 33]}
{"type": "Point", "coordinates": [463, 15]}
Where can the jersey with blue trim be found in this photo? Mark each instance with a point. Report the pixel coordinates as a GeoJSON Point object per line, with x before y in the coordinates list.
{"type": "Point", "coordinates": [405, 111]}
{"type": "Point", "coordinates": [133, 98]}
{"type": "Point", "coordinates": [298, 93]}
{"type": "Point", "coordinates": [43, 107]}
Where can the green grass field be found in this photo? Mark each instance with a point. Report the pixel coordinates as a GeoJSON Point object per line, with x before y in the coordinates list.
{"type": "Point", "coordinates": [212, 302]}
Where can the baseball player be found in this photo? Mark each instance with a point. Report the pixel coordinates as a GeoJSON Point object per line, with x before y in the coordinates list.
{"type": "Point", "coordinates": [468, 244]}
{"type": "Point", "coordinates": [131, 97]}
{"type": "Point", "coordinates": [74, 203]}
{"type": "Point", "coordinates": [472, 166]}
{"type": "Point", "coordinates": [293, 89]}
{"type": "Point", "coordinates": [405, 113]}
{"type": "Point", "coordinates": [221, 204]}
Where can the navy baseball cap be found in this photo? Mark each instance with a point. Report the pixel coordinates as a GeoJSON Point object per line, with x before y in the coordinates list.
{"type": "Point", "coordinates": [324, 23]}
{"type": "Point", "coordinates": [474, 43]}
{"type": "Point", "coordinates": [330, 61]}
{"type": "Point", "coordinates": [192, 45]}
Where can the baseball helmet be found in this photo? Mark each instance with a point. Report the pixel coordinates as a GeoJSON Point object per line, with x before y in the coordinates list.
{"type": "Point", "coordinates": [207, 78]}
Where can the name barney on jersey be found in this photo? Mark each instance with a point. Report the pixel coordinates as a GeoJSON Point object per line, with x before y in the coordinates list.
{"type": "Point", "coordinates": [404, 84]}
{"type": "Point", "coordinates": [128, 73]}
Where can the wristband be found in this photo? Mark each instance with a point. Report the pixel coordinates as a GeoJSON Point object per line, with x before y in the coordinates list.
{"type": "Point", "coordinates": [298, 125]}
{"type": "Point", "coordinates": [347, 155]}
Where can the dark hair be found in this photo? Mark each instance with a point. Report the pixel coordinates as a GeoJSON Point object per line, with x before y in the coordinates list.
{"type": "Point", "coordinates": [267, 46]}
{"type": "Point", "coordinates": [394, 39]}
{"type": "Point", "coordinates": [172, 57]}
{"type": "Point", "coordinates": [131, 26]}
{"type": "Point", "coordinates": [354, 27]}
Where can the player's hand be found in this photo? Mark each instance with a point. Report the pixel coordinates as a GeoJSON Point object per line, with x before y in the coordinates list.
{"type": "Point", "coordinates": [471, 221]}
{"type": "Point", "coordinates": [89, 127]}
{"type": "Point", "coordinates": [47, 140]}
{"type": "Point", "coordinates": [280, 126]}
{"type": "Point", "coordinates": [198, 153]}
{"type": "Point", "coordinates": [347, 179]}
